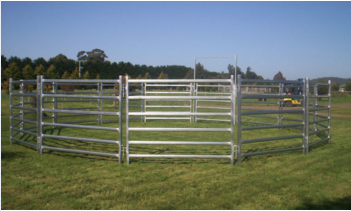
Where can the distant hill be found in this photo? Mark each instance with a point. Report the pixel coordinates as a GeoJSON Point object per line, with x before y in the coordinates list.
{"type": "Point", "coordinates": [334, 79]}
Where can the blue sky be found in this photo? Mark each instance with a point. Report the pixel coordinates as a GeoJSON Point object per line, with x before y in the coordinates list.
{"type": "Point", "coordinates": [300, 39]}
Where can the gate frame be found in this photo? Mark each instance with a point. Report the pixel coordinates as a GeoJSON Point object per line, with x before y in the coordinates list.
{"type": "Point", "coordinates": [181, 98]}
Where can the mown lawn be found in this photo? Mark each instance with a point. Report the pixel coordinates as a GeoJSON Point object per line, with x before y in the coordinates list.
{"type": "Point", "coordinates": [289, 180]}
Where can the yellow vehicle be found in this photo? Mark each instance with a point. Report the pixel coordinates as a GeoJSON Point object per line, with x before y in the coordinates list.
{"type": "Point", "coordinates": [293, 101]}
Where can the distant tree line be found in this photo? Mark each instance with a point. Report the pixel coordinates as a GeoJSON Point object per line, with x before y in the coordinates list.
{"type": "Point", "coordinates": [94, 66]}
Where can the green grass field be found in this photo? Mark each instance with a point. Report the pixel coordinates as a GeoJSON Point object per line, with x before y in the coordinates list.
{"type": "Point", "coordinates": [287, 180]}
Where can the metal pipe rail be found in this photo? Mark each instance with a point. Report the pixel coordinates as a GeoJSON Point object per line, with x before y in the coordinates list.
{"type": "Point", "coordinates": [303, 124]}
{"type": "Point", "coordinates": [177, 115]}
{"type": "Point", "coordinates": [228, 102]}
{"type": "Point", "coordinates": [148, 93]}
{"type": "Point", "coordinates": [99, 97]}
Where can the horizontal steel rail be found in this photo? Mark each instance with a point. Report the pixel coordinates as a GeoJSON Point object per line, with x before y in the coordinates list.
{"type": "Point", "coordinates": [24, 108]}
{"type": "Point", "coordinates": [217, 120]}
{"type": "Point", "coordinates": [81, 96]}
{"type": "Point", "coordinates": [81, 139]}
{"type": "Point", "coordinates": [80, 151]}
{"type": "Point", "coordinates": [259, 116]}
{"type": "Point", "coordinates": [158, 92]}
{"type": "Point", "coordinates": [24, 142]}
{"type": "Point", "coordinates": [213, 107]}
{"type": "Point", "coordinates": [270, 151]}
{"type": "Point", "coordinates": [179, 156]}
{"type": "Point", "coordinates": [164, 106]}
{"type": "Point", "coordinates": [273, 112]}
{"type": "Point", "coordinates": [24, 120]}
{"type": "Point", "coordinates": [317, 121]}
{"type": "Point", "coordinates": [224, 86]}
{"type": "Point", "coordinates": [319, 96]}
{"type": "Point", "coordinates": [80, 112]}
{"type": "Point", "coordinates": [179, 98]}
{"type": "Point", "coordinates": [170, 85]}
{"type": "Point", "coordinates": [260, 86]}
{"type": "Point", "coordinates": [153, 129]}
{"type": "Point", "coordinates": [92, 81]}
{"type": "Point", "coordinates": [24, 82]}
{"type": "Point", "coordinates": [24, 94]}
{"type": "Point", "coordinates": [270, 81]}
{"type": "Point", "coordinates": [260, 102]}
{"type": "Point", "coordinates": [255, 122]}
{"type": "Point", "coordinates": [318, 109]}
{"type": "Point", "coordinates": [167, 118]}
{"type": "Point", "coordinates": [80, 126]}
{"type": "Point", "coordinates": [270, 139]}
{"type": "Point", "coordinates": [176, 114]}
{"type": "Point", "coordinates": [319, 141]}
{"type": "Point", "coordinates": [25, 131]}
{"type": "Point", "coordinates": [218, 101]}
{"type": "Point", "coordinates": [179, 81]}
{"type": "Point", "coordinates": [179, 143]}
{"type": "Point", "coordinates": [254, 96]}
{"type": "Point", "coordinates": [318, 131]}
{"type": "Point", "coordinates": [213, 93]}
{"type": "Point", "coordinates": [271, 126]}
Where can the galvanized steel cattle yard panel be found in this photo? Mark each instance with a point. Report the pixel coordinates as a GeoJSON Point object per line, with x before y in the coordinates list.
{"type": "Point", "coordinates": [41, 115]}
{"type": "Point", "coordinates": [178, 115]}
{"type": "Point", "coordinates": [301, 126]}
{"type": "Point", "coordinates": [308, 126]}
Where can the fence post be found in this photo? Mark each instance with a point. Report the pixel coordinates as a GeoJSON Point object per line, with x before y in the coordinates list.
{"type": "Point", "coordinates": [101, 101]}
{"type": "Point", "coordinates": [315, 104]}
{"type": "Point", "coordinates": [10, 92]}
{"type": "Point", "coordinates": [196, 104]}
{"type": "Point", "coordinates": [232, 122]}
{"type": "Point", "coordinates": [98, 102]}
{"type": "Point", "coordinates": [54, 104]}
{"type": "Point", "coordinates": [235, 94]}
{"type": "Point", "coordinates": [120, 117]}
{"type": "Point", "coordinates": [329, 110]}
{"type": "Point", "coordinates": [280, 101]}
{"type": "Point", "coordinates": [145, 102]}
{"type": "Point", "coordinates": [39, 113]}
{"type": "Point", "coordinates": [22, 104]}
{"type": "Point", "coordinates": [239, 119]}
{"type": "Point", "coordinates": [127, 118]}
{"type": "Point", "coordinates": [307, 104]}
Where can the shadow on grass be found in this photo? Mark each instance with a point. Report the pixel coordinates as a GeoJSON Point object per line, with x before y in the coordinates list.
{"type": "Point", "coordinates": [338, 204]}
{"type": "Point", "coordinates": [6, 156]}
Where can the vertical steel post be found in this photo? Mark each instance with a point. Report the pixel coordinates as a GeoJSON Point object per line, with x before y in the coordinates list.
{"type": "Point", "coordinates": [239, 119]}
{"type": "Point", "coordinates": [145, 102]}
{"type": "Point", "coordinates": [142, 101]}
{"type": "Point", "coordinates": [329, 110]}
{"type": "Point", "coordinates": [101, 101]}
{"type": "Point", "coordinates": [10, 91]}
{"type": "Point", "coordinates": [39, 114]}
{"type": "Point", "coordinates": [315, 103]}
{"type": "Point", "coordinates": [236, 64]}
{"type": "Point", "coordinates": [307, 116]}
{"type": "Point", "coordinates": [196, 102]}
{"type": "Point", "coordinates": [280, 104]}
{"type": "Point", "coordinates": [127, 118]}
{"type": "Point", "coordinates": [235, 94]}
{"type": "Point", "coordinates": [22, 104]}
{"type": "Point", "coordinates": [54, 103]}
{"type": "Point", "coordinates": [120, 119]}
{"type": "Point", "coordinates": [232, 122]}
{"type": "Point", "coordinates": [304, 117]}
{"type": "Point", "coordinates": [192, 109]}
{"type": "Point", "coordinates": [98, 102]}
